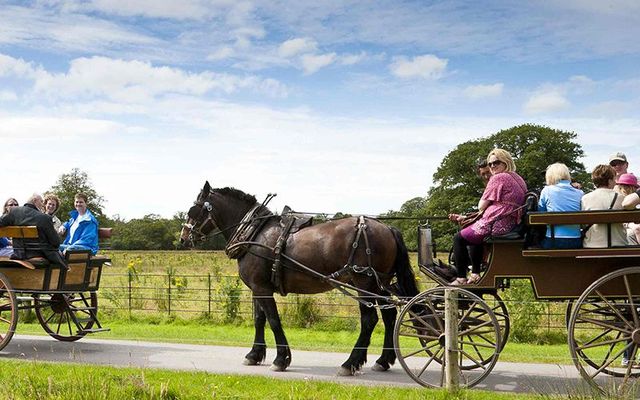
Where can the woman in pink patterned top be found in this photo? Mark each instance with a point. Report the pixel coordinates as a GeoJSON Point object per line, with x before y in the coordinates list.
{"type": "Point", "coordinates": [498, 207]}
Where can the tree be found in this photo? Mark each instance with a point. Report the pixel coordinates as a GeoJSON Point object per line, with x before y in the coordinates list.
{"type": "Point", "coordinates": [147, 233]}
{"type": "Point", "coordinates": [457, 188]}
{"type": "Point", "coordinates": [68, 185]}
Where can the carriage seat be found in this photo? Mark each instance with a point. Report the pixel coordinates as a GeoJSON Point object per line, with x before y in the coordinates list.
{"type": "Point", "coordinates": [520, 231]}
{"type": "Point", "coordinates": [301, 221]}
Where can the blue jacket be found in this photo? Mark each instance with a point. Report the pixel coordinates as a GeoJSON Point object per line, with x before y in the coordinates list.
{"type": "Point", "coordinates": [4, 242]}
{"type": "Point", "coordinates": [85, 236]}
{"type": "Point", "coordinates": [561, 197]}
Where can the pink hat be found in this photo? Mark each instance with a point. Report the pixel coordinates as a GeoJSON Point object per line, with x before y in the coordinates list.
{"type": "Point", "coordinates": [627, 179]}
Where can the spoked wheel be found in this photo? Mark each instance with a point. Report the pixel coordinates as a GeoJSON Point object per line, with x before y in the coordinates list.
{"type": "Point", "coordinates": [66, 316]}
{"type": "Point", "coordinates": [419, 338]}
{"type": "Point", "coordinates": [8, 311]}
{"type": "Point", "coordinates": [502, 315]}
{"type": "Point", "coordinates": [604, 327]}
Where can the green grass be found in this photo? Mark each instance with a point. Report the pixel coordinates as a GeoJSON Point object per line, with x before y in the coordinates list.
{"type": "Point", "coordinates": [43, 381]}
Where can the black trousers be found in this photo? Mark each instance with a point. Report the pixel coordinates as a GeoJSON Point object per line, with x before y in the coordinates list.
{"type": "Point", "coordinates": [466, 253]}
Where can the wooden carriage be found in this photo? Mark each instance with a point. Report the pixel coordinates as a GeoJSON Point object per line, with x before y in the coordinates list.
{"type": "Point", "coordinates": [64, 301]}
{"type": "Point", "coordinates": [600, 285]}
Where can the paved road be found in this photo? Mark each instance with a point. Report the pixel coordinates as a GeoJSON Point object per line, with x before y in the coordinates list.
{"type": "Point", "coordinates": [309, 365]}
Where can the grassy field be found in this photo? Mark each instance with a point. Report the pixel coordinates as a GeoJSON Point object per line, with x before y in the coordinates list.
{"type": "Point", "coordinates": [30, 380]}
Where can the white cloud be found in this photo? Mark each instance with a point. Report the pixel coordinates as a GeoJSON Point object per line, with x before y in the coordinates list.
{"type": "Point", "coordinates": [184, 9]}
{"type": "Point", "coordinates": [311, 63]}
{"type": "Point", "coordinates": [8, 95]}
{"type": "Point", "coordinates": [15, 67]}
{"type": "Point", "coordinates": [221, 54]}
{"type": "Point", "coordinates": [426, 66]}
{"type": "Point", "coordinates": [546, 101]}
{"type": "Point", "coordinates": [132, 81]}
{"type": "Point", "coordinates": [293, 47]}
{"type": "Point", "coordinates": [351, 59]}
{"type": "Point", "coordinates": [483, 91]}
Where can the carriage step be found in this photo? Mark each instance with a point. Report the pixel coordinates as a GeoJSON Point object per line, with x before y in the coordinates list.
{"type": "Point", "coordinates": [95, 330]}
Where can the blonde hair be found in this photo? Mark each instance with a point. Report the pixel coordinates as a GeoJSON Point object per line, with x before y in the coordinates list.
{"type": "Point", "coordinates": [625, 189]}
{"type": "Point", "coordinates": [505, 157]}
{"type": "Point", "coordinates": [557, 172]}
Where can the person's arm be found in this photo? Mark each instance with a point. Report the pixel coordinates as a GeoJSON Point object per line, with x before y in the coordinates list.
{"type": "Point", "coordinates": [631, 201]}
{"type": "Point", "coordinates": [483, 204]}
{"type": "Point", "coordinates": [88, 238]}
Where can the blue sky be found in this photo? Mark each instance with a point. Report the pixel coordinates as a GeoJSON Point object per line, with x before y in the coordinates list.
{"type": "Point", "coordinates": [338, 106]}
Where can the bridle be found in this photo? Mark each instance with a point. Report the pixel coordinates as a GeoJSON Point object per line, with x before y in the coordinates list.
{"type": "Point", "coordinates": [197, 229]}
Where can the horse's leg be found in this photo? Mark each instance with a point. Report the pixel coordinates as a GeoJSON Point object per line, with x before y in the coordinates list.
{"type": "Point", "coordinates": [368, 321]}
{"type": "Point", "coordinates": [388, 356]}
{"type": "Point", "coordinates": [283, 353]}
{"type": "Point", "coordinates": [259, 350]}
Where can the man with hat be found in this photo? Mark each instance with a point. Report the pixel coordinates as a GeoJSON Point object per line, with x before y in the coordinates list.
{"type": "Point", "coordinates": [619, 163]}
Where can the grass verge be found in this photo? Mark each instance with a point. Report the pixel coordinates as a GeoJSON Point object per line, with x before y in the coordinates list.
{"type": "Point", "coordinates": [43, 381]}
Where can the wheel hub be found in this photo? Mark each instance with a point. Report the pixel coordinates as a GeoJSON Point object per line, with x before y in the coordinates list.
{"type": "Point", "coordinates": [58, 303]}
{"type": "Point", "coordinates": [635, 336]}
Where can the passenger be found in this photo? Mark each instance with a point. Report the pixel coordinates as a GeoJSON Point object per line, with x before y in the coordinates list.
{"type": "Point", "coordinates": [501, 198]}
{"type": "Point", "coordinates": [46, 245]}
{"type": "Point", "coordinates": [484, 172]}
{"type": "Point", "coordinates": [627, 184]}
{"type": "Point", "coordinates": [560, 195]}
{"type": "Point", "coordinates": [6, 246]}
{"type": "Point", "coordinates": [9, 204]}
{"type": "Point", "coordinates": [81, 229]}
{"type": "Point", "coordinates": [619, 163]}
{"type": "Point", "coordinates": [603, 198]}
{"type": "Point", "coordinates": [51, 205]}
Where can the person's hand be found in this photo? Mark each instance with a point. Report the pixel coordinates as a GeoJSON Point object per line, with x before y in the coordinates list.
{"type": "Point", "coordinates": [576, 185]}
{"type": "Point", "coordinates": [61, 230]}
{"type": "Point", "coordinates": [455, 217]}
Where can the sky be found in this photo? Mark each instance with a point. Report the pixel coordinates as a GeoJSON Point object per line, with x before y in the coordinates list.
{"type": "Point", "coordinates": [336, 106]}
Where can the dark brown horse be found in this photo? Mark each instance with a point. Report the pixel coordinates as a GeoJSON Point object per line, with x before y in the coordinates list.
{"type": "Point", "coordinates": [325, 248]}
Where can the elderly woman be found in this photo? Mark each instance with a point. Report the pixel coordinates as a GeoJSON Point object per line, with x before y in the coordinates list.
{"type": "Point", "coordinates": [559, 195]}
{"type": "Point", "coordinates": [499, 214]}
{"type": "Point", "coordinates": [627, 185]}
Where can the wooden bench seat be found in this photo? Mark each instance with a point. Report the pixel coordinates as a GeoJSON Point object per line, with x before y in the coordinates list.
{"type": "Point", "coordinates": [630, 251]}
{"type": "Point", "coordinates": [583, 217]}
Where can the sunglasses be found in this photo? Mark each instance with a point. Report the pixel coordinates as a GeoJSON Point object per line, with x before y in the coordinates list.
{"type": "Point", "coordinates": [494, 163]}
{"type": "Point", "coordinates": [12, 205]}
{"type": "Point", "coordinates": [616, 163]}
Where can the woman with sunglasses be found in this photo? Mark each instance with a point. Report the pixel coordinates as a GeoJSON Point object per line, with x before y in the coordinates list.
{"type": "Point", "coordinates": [6, 247]}
{"type": "Point", "coordinates": [499, 214]}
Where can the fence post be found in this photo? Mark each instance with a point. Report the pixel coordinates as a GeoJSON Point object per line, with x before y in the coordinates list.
{"type": "Point", "coordinates": [130, 275]}
{"type": "Point", "coordinates": [209, 293]}
{"type": "Point", "coordinates": [452, 369]}
{"type": "Point", "coordinates": [169, 292]}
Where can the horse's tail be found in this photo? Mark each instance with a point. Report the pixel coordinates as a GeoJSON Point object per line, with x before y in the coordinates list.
{"type": "Point", "coordinates": [407, 286]}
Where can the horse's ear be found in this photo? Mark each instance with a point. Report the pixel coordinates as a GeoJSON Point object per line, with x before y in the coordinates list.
{"type": "Point", "coordinates": [207, 188]}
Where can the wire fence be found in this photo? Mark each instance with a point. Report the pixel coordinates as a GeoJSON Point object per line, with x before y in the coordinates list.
{"type": "Point", "coordinates": [225, 298]}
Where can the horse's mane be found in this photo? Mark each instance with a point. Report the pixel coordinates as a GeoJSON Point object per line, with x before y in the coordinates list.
{"type": "Point", "coordinates": [238, 194]}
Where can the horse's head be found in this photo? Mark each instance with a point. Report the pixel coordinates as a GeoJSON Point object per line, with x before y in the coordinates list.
{"type": "Point", "coordinates": [200, 220]}
{"type": "Point", "coordinates": [213, 209]}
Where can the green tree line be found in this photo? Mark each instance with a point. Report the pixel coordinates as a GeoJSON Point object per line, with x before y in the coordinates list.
{"type": "Point", "coordinates": [457, 187]}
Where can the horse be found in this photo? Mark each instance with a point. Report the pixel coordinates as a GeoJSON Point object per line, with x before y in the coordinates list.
{"type": "Point", "coordinates": [312, 253]}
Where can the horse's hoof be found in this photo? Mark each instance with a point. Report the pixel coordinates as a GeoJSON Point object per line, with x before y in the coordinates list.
{"type": "Point", "coordinates": [277, 368]}
{"type": "Point", "coordinates": [342, 371]}
{"type": "Point", "coordinates": [248, 361]}
{"type": "Point", "coordinates": [379, 368]}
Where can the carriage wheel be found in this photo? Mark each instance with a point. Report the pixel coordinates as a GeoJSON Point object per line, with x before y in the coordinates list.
{"type": "Point", "coordinates": [502, 315]}
{"type": "Point", "coordinates": [66, 316]}
{"type": "Point", "coordinates": [567, 313]}
{"type": "Point", "coordinates": [419, 338]}
{"type": "Point", "coordinates": [8, 311]}
{"type": "Point", "coordinates": [602, 327]}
